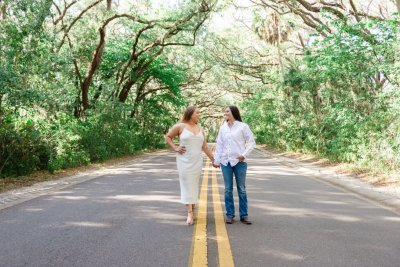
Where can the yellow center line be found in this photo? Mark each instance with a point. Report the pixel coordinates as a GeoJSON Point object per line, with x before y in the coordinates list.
{"type": "Point", "coordinates": [225, 258]}
{"type": "Point", "coordinates": [199, 244]}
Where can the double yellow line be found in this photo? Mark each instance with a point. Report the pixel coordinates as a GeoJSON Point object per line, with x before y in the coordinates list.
{"type": "Point", "coordinates": [199, 257]}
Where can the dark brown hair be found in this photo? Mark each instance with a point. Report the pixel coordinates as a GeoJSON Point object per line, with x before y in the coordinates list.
{"type": "Point", "coordinates": [235, 113]}
{"type": "Point", "coordinates": [187, 115]}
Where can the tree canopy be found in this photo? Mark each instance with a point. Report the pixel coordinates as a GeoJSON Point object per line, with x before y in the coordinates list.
{"type": "Point", "coordinates": [88, 80]}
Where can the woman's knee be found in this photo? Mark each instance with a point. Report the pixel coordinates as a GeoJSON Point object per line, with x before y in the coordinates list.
{"type": "Point", "coordinates": [228, 190]}
{"type": "Point", "coordinates": [241, 189]}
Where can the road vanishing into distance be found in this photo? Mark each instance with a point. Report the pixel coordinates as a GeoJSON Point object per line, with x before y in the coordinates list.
{"type": "Point", "coordinates": [130, 215]}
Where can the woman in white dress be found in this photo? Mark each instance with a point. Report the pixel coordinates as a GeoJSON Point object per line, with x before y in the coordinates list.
{"type": "Point", "coordinates": [189, 159]}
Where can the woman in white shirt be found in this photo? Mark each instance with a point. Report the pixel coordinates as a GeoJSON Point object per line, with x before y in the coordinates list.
{"type": "Point", "coordinates": [235, 141]}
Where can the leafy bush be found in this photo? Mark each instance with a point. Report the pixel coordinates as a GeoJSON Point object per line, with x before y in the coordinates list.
{"type": "Point", "coordinates": [22, 148]}
{"type": "Point", "coordinates": [26, 146]}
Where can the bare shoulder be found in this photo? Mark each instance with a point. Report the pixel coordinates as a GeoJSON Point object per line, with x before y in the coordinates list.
{"type": "Point", "coordinates": [179, 127]}
{"type": "Point", "coordinates": [176, 129]}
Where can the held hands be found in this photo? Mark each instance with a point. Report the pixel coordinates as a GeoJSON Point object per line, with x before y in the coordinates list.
{"type": "Point", "coordinates": [215, 166]}
{"type": "Point", "coordinates": [213, 163]}
{"type": "Point", "coordinates": [240, 158]}
{"type": "Point", "coordinates": [180, 149]}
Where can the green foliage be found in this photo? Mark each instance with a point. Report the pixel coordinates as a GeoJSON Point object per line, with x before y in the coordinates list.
{"type": "Point", "coordinates": [339, 100]}
{"type": "Point", "coordinates": [40, 88]}
{"type": "Point", "coordinates": [64, 142]}
{"type": "Point", "coordinates": [22, 148]}
{"type": "Point", "coordinates": [107, 135]}
{"type": "Point", "coordinates": [64, 136]}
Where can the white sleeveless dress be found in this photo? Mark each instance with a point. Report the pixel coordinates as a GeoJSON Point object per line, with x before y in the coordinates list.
{"type": "Point", "coordinates": [190, 165]}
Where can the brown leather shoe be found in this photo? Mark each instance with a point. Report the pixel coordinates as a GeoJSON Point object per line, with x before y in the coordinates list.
{"type": "Point", "coordinates": [229, 220]}
{"type": "Point", "coordinates": [245, 220]}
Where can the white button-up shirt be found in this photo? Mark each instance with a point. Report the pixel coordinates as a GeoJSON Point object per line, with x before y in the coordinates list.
{"type": "Point", "coordinates": [232, 142]}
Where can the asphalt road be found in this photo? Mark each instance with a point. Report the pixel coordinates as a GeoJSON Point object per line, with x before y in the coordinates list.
{"type": "Point", "coordinates": [131, 216]}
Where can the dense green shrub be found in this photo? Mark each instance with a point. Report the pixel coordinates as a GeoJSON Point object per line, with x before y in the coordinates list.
{"type": "Point", "coordinates": [22, 148]}
{"type": "Point", "coordinates": [64, 142]}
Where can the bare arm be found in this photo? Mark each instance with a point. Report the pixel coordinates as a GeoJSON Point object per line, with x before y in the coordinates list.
{"type": "Point", "coordinates": [173, 132]}
{"type": "Point", "coordinates": [218, 149]}
{"type": "Point", "coordinates": [206, 149]}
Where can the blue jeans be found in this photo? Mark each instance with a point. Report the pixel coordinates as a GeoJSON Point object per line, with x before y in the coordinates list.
{"type": "Point", "coordinates": [240, 176]}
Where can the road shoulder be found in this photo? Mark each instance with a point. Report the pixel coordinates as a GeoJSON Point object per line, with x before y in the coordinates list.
{"type": "Point", "coordinates": [383, 196]}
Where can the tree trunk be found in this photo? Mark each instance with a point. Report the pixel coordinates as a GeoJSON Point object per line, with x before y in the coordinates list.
{"type": "Point", "coordinates": [2, 11]}
{"type": "Point", "coordinates": [398, 6]}
{"type": "Point", "coordinates": [278, 45]}
{"type": "Point", "coordinates": [123, 95]}
{"type": "Point", "coordinates": [78, 107]}
{"type": "Point", "coordinates": [1, 111]}
{"type": "Point", "coordinates": [139, 96]}
{"type": "Point", "coordinates": [98, 94]}
{"type": "Point", "coordinates": [316, 104]}
{"type": "Point", "coordinates": [94, 64]}
{"type": "Point", "coordinates": [109, 2]}
{"type": "Point", "coordinates": [302, 41]}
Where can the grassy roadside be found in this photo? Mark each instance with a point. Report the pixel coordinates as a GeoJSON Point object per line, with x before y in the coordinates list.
{"type": "Point", "coordinates": [11, 183]}
{"type": "Point", "coordinates": [374, 178]}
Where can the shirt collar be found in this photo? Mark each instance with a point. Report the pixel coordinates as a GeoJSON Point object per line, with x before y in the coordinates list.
{"type": "Point", "coordinates": [235, 122]}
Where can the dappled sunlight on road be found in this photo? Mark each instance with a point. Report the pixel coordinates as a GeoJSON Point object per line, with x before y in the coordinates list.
{"type": "Point", "coordinates": [391, 219]}
{"type": "Point", "coordinates": [133, 198]}
{"type": "Point", "coordinates": [304, 213]}
{"type": "Point", "coordinates": [268, 170]}
{"type": "Point", "coordinates": [330, 202]}
{"type": "Point", "coordinates": [70, 197]}
{"type": "Point", "coordinates": [33, 210]}
{"type": "Point", "coordinates": [88, 224]}
{"type": "Point", "coordinates": [296, 219]}
{"type": "Point", "coordinates": [132, 170]}
{"type": "Point", "coordinates": [266, 190]}
{"type": "Point", "coordinates": [160, 192]}
{"type": "Point", "coordinates": [65, 192]}
{"type": "Point", "coordinates": [160, 216]}
{"type": "Point", "coordinates": [153, 164]}
{"type": "Point", "coordinates": [254, 190]}
{"type": "Point", "coordinates": [283, 255]}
